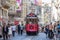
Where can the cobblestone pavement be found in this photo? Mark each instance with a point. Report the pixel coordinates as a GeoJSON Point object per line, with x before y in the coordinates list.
{"type": "Point", "coordinates": [40, 36]}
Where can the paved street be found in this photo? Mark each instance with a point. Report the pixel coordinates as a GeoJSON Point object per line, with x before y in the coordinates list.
{"type": "Point", "coordinates": [40, 36]}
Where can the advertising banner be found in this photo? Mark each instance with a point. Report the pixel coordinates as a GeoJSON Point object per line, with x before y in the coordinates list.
{"type": "Point", "coordinates": [18, 5]}
{"type": "Point", "coordinates": [38, 2]}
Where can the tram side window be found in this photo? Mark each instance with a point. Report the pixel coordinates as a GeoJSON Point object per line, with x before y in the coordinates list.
{"type": "Point", "coordinates": [30, 21]}
{"type": "Point", "coordinates": [35, 20]}
{"type": "Point", "coordinates": [27, 21]}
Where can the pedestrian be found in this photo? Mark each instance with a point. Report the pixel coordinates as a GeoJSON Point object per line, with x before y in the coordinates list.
{"type": "Point", "coordinates": [5, 32]}
{"type": "Point", "coordinates": [43, 29]}
{"type": "Point", "coordinates": [10, 31]}
{"type": "Point", "coordinates": [50, 33]}
{"type": "Point", "coordinates": [19, 29]}
{"type": "Point", "coordinates": [22, 26]}
{"type": "Point", "coordinates": [58, 28]}
{"type": "Point", "coordinates": [46, 29]}
{"type": "Point", "coordinates": [0, 31]}
{"type": "Point", "coordinates": [55, 27]}
{"type": "Point", "coordinates": [13, 29]}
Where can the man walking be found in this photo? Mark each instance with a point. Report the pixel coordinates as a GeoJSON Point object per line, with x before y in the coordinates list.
{"type": "Point", "coordinates": [18, 29]}
{"type": "Point", "coordinates": [50, 33]}
{"type": "Point", "coordinates": [5, 32]}
{"type": "Point", "coordinates": [22, 29]}
{"type": "Point", "coordinates": [13, 30]}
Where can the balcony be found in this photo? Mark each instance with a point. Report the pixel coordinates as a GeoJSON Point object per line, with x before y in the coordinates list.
{"type": "Point", "coordinates": [5, 4]}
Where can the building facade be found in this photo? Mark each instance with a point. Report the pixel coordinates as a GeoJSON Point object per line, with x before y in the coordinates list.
{"type": "Point", "coordinates": [3, 12]}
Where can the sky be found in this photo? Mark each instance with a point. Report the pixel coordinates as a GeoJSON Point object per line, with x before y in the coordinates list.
{"type": "Point", "coordinates": [46, 1]}
{"type": "Point", "coordinates": [38, 2]}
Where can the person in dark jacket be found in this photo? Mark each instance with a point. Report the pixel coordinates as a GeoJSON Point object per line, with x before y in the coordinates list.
{"type": "Point", "coordinates": [22, 27]}
{"type": "Point", "coordinates": [5, 32]}
{"type": "Point", "coordinates": [58, 28]}
{"type": "Point", "coordinates": [51, 33]}
{"type": "Point", "coordinates": [18, 29]}
{"type": "Point", "coordinates": [46, 29]}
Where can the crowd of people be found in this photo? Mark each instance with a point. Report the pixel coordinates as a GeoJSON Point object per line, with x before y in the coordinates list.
{"type": "Point", "coordinates": [9, 30]}
{"type": "Point", "coordinates": [52, 29]}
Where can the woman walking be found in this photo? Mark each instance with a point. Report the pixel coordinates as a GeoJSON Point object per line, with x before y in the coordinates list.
{"type": "Point", "coordinates": [10, 31]}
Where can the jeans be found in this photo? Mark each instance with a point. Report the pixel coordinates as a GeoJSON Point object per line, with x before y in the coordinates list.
{"type": "Point", "coordinates": [13, 33]}
{"type": "Point", "coordinates": [21, 32]}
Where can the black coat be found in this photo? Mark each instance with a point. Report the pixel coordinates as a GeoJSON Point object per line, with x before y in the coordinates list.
{"type": "Point", "coordinates": [3, 30]}
{"type": "Point", "coordinates": [19, 28]}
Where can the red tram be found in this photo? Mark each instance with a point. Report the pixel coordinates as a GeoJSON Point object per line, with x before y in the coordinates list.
{"type": "Point", "coordinates": [32, 24]}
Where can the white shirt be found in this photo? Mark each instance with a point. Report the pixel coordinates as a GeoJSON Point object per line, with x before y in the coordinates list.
{"type": "Point", "coordinates": [13, 28]}
{"type": "Point", "coordinates": [10, 30]}
{"type": "Point", "coordinates": [21, 27]}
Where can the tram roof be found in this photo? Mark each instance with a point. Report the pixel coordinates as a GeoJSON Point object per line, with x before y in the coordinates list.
{"type": "Point", "coordinates": [31, 17]}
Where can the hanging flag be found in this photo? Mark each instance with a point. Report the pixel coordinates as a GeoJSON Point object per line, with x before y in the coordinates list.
{"type": "Point", "coordinates": [35, 2]}
{"type": "Point", "coordinates": [38, 2]}
{"type": "Point", "coordinates": [18, 5]}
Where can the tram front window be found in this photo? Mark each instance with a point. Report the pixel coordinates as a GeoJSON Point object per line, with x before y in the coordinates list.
{"type": "Point", "coordinates": [31, 21]}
